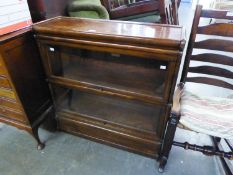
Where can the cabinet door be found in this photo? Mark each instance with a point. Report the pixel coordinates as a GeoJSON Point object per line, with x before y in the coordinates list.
{"type": "Point", "coordinates": [24, 70]}
{"type": "Point", "coordinates": [2, 70]}
{"type": "Point", "coordinates": [109, 110]}
{"type": "Point", "coordinates": [135, 77]}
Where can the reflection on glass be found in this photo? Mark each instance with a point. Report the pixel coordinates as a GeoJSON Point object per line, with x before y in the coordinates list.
{"type": "Point", "coordinates": [108, 110]}
{"type": "Point", "coordinates": [122, 72]}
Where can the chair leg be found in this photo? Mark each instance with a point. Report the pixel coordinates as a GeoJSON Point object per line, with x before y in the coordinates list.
{"type": "Point", "coordinates": [168, 140]}
{"type": "Point", "coordinates": [224, 161]}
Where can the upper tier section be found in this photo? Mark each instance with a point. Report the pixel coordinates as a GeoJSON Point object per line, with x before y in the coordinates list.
{"type": "Point", "coordinates": [128, 33]}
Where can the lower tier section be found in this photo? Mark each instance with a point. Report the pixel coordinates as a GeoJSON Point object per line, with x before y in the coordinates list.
{"type": "Point", "coordinates": [127, 124]}
{"type": "Point", "coordinates": [109, 135]}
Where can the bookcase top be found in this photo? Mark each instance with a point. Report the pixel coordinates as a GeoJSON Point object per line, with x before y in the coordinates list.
{"type": "Point", "coordinates": [113, 31]}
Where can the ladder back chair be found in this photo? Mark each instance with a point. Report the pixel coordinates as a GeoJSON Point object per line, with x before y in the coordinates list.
{"type": "Point", "coordinates": [169, 12]}
{"type": "Point", "coordinates": [208, 115]}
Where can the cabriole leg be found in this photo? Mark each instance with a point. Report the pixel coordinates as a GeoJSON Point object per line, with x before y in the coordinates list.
{"type": "Point", "coordinates": [35, 133]}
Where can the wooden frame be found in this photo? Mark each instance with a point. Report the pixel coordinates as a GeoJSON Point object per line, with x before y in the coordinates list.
{"type": "Point", "coordinates": [113, 75]}
{"type": "Point", "coordinates": [25, 100]}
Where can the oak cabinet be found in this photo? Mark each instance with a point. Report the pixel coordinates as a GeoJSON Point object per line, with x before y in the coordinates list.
{"type": "Point", "coordinates": [25, 99]}
{"type": "Point", "coordinates": [112, 81]}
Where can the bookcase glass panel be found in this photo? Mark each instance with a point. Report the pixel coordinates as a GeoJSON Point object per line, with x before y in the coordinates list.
{"type": "Point", "coordinates": [127, 113]}
{"type": "Point", "coordinates": [122, 72]}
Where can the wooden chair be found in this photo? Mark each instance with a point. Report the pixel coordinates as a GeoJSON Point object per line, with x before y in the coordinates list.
{"type": "Point", "coordinates": [169, 12]}
{"type": "Point", "coordinates": [208, 115]}
{"type": "Point", "coordinates": [166, 9]}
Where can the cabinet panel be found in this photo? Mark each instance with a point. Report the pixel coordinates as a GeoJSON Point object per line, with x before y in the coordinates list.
{"type": "Point", "coordinates": [2, 70]}
{"type": "Point", "coordinates": [4, 82]}
{"type": "Point", "coordinates": [118, 139]}
{"type": "Point", "coordinates": [5, 102]}
{"type": "Point", "coordinates": [14, 115]}
{"type": "Point", "coordinates": [28, 79]}
{"type": "Point", "coordinates": [7, 93]}
{"type": "Point", "coordinates": [24, 94]}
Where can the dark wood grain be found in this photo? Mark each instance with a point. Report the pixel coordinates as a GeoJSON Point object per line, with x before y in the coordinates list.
{"type": "Point", "coordinates": [29, 75]}
{"type": "Point", "coordinates": [159, 36]}
{"type": "Point", "coordinates": [168, 10]}
{"type": "Point", "coordinates": [210, 70]}
{"type": "Point", "coordinates": [106, 90]}
{"type": "Point", "coordinates": [215, 44]}
{"type": "Point", "coordinates": [37, 10]}
{"type": "Point", "coordinates": [136, 9]}
{"type": "Point", "coordinates": [4, 83]}
{"type": "Point", "coordinates": [213, 58]}
{"type": "Point", "coordinates": [224, 45]}
{"type": "Point", "coordinates": [210, 81]}
{"type": "Point", "coordinates": [116, 47]}
{"type": "Point", "coordinates": [110, 84]}
{"type": "Point", "coordinates": [221, 29]}
{"type": "Point", "coordinates": [7, 93]}
{"type": "Point", "coordinates": [110, 137]}
{"type": "Point", "coordinates": [2, 71]}
{"type": "Point", "coordinates": [10, 103]}
{"type": "Point", "coordinates": [24, 94]}
{"type": "Point", "coordinates": [12, 114]}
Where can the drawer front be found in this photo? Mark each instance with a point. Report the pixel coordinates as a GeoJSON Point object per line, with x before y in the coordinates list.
{"type": "Point", "coordinates": [141, 146]}
{"type": "Point", "coordinates": [10, 104]}
{"type": "Point", "coordinates": [7, 93]}
{"type": "Point", "coordinates": [4, 82]}
{"type": "Point", "coordinates": [5, 112]}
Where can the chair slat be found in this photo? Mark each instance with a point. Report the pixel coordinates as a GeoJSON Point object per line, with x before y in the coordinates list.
{"type": "Point", "coordinates": [215, 44]}
{"type": "Point", "coordinates": [220, 29]}
{"type": "Point", "coordinates": [213, 58]}
{"type": "Point", "coordinates": [210, 70]}
{"type": "Point", "coordinates": [217, 14]}
{"type": "Point", "coordinates": [210, 81]}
